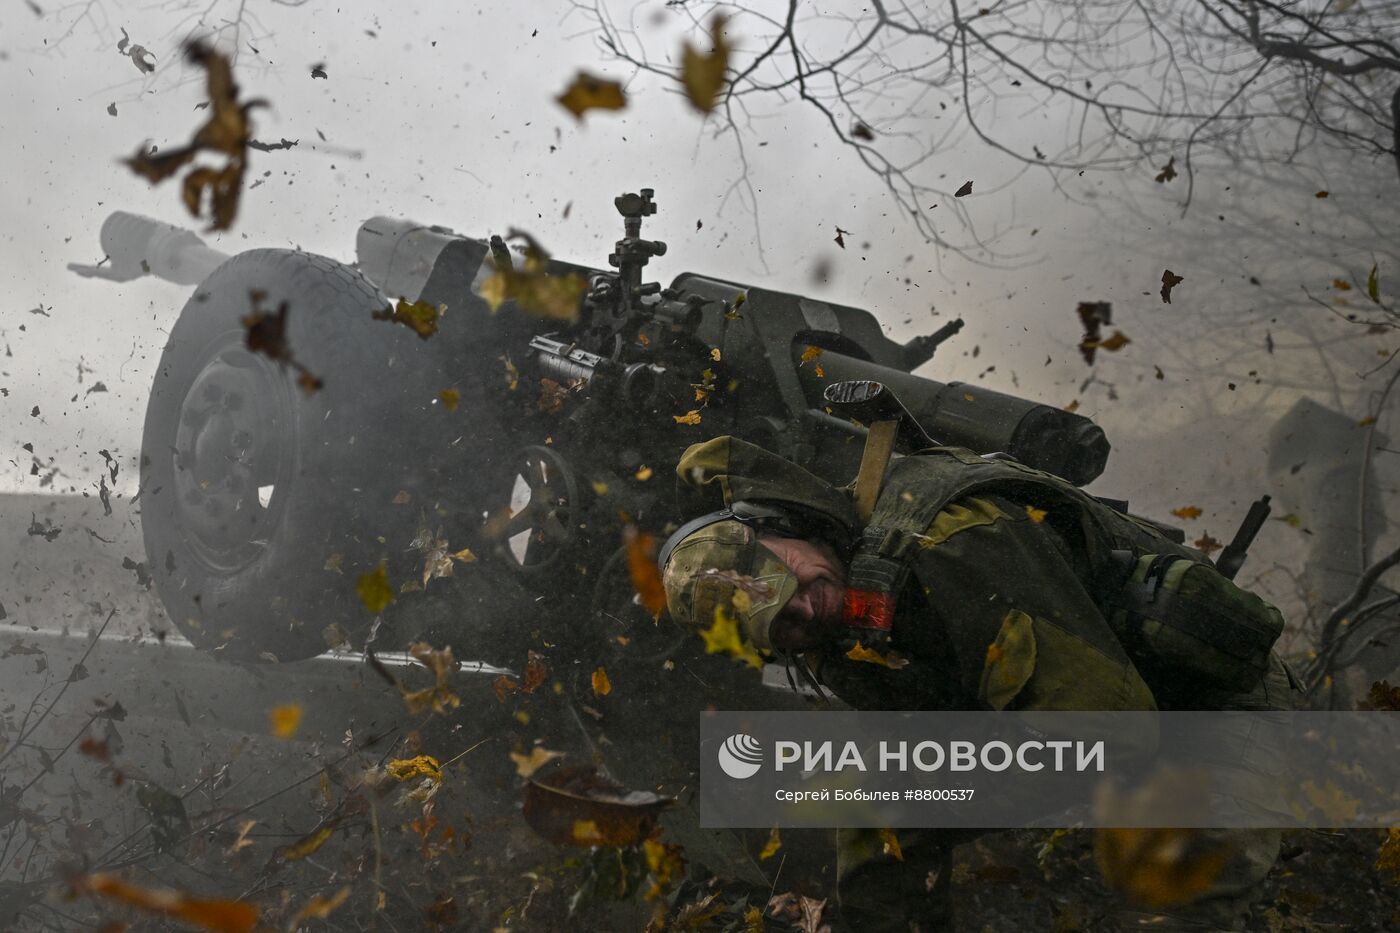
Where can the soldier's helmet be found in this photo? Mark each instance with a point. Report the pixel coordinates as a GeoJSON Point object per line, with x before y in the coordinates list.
{"type": "Point", "coordinates": [716, 562]}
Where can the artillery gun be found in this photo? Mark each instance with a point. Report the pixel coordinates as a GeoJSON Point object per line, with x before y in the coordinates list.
{"type": "Point", "coordinates": [262, 503]}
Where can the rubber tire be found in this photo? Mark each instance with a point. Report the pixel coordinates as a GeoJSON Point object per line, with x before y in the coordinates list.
{"type": "Point", "coordinates": [346, 455]}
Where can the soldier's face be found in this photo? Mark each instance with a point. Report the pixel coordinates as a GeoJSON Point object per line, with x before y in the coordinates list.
{"type": "Point", "coordinates": [815, 610]}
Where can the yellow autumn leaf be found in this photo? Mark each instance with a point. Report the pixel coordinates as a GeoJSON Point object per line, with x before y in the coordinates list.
{"type": "Point", "coordinates": [1187, 512]}
{"type": "Point", "coordinates": [690, 417]}
{"type": "Point", "coordinates": [374, 589]}
{"type": "Point", "coordinates": [586, 832]}
{"type": "Point", "coordinates": [821, 373]}
{"type": "Point", "coordinates": [600, 488]}
{"type": "Point", "coordinates": [1158, 868]}
{"type": "Point", "coordinates": [890, 843]}
{"type": "Point", "coordinates": [723, 638]}
{"type": "Point", "coordinates": [702, 75]}
{"type": "Point", "coordinates": [1388, 858]}
{"type": "Point", "coordinates": [1036, 515]}
{"type": "Point", "coordinates": [464, 556]}
{"type": "Point", "coordinates": [809, 354]}
{"type": "Point", "coordinates": [771, 847]}
{"type": "Point", "coordinates": [418, 316]}
{"type": "Point", "coordinates": [451, 398]}
{"type": "Point", "coordinates": [1072, 407]}
{"type": "Point", "coordinates": [526, 765]}
{"type": "Point", "coordinates": [753, 920]}
{"type": "Point", "coordinates": [601, 684]}
{"type": "Point", "coordinates": [871, 656]}
{"type": "Point", "coordinates": [589, 92]}
{"type": "Point", "coordinates": [714, 354]}
{"type": "Point", "coordinates": [643, 474]}
{"type": "Point", "coordinates": [427, 766]}
{"type": "Point", "coordinates": [1118, 341]}
{"type": "Point", "coordinates": [285, 719]}
{"type": "Point", "coordinates": [308, 844]}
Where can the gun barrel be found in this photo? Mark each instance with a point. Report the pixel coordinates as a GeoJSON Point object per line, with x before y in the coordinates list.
{"type": "Point", "coordinates": [963, 415]}
{"type": "Point", "coordinates": [137, 244]}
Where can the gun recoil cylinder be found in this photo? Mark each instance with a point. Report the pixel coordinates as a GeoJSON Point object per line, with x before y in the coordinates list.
{"type": "Point", "coordinates": [962, 415]}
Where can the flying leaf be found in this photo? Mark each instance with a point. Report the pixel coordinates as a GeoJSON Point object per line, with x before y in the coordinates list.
{"type": "Point", "coordinates": [1341, 285]}
{"type": "Point", "coordinates": [643, 474]}
{"type": "Point", "coordinates": [536, 671]}
{"type": "Point", "coordinates": [771, 847]}
{"type": "Point", "coordinates": [665, 864]}
{"type": "Point", "coordinates": [1157, 868]}
{"type": "Point", "coordinates": [841, 237]}
{"type": "Point", "coordinates": [1168, 171]}
{"type": "Point", "coordinates": [723, 638]}
{"type": "Point", "coordinates": [641, 567]}
{"type": "Point", "coordinates": [527, 765]}
{"type": "Point", "coordinates": [285, 719]}
{"type": "Point", "coordinates": [439, 697]}
{"type": "Point", "coordinates": [1373, 285]}
{"type": "Point", "coordinates": [690, 417]}
{"type": "Point", "coordinates": [226, 133]}
{"type": "Point", "coordinates": [451, 398]}
{"type": "Point", "coordinates": [871, 656]}
{"type": "Point", "coordinates": [964, 191]}
{"type": "Point", "coordinates": [1206, 544]}
{"type": "Point", "coordinates": [1169, 281]}
{"type": "Point", "coordinates": [1388, 858]}
{"type": "Point", "coordinates": [217, 914]}
{"type": "Point", "coordinates": [404, 769]}
{"type": "Point", "coordinates": [1322, 194]}
{"type": "Point", "coordinates": [1187, 512]}
{"type": "Point", "coordinates": [1093, 315]}
{"type": "Point", "coordinates": [533, 289]}
{"type": "Point", "coordinates": [579, 807]}
{"type": "Point", "coordinates": [809, 354]}
{"type": "Point", "coordinates": [308, 844]}
{"type": "Point", "coordinates": [374, 589]}
{"type": "Point", "coordinates": [890, 844]}
{"type": "Point", "coordinates": [266, 333]}
{"type": "Point", "coordinates": [1382, 696]}
{"type": "Point", "coordinates": [418, 316]}
{"type": "Point", "coordinates": [602, 686]}
{"type": "Point", "coordinates": [702, 76]}
{"type": "Point", "coordinates": [1036, 515]}
{"type": "Point", "coordinates": [589, 92]}
{"type": "Point", "coordinates": [1118, 341]}
{"type": "Point", "coordinates": [319, 908]}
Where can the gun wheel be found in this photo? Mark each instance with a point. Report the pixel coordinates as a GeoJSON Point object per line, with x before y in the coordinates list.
{"type": "Point", "coordinates": [540, 526]}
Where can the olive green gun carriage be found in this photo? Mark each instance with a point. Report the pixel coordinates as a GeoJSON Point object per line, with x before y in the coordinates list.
{"type": "Point", "coordinates": [262, 503]}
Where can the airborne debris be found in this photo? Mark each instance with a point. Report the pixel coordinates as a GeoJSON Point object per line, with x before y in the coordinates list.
{"type": "Point", "coordinates": [418, 316]}
{"type": "Point", "coordinates": [702, 76]}
{"type": "Point", "coordinates": [227, 133]}
{"type": "Point", "coordinates": [964, 191]}
{"type": "Point", "coordinates": [533, 289]}
{"type": "Point", "coordinates": [267, 334]}
{"type": "Point", "coordinates": [318, 70]}
{"type": "Point", "coordinates": [1168, 171]}
{"type": "Point", "coordinates": [137, 54]}
{"type": "Point", "coordinates": [590, 92]}
{"type": "Point", "coordinates": [1169, 281]}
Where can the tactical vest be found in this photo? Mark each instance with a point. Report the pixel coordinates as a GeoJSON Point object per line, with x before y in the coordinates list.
{"type": "Point", "coordinates": [1172, 611]}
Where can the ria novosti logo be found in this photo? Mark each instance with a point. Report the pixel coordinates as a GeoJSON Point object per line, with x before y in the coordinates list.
{"type": "Point", "coordinates": [740, 756]}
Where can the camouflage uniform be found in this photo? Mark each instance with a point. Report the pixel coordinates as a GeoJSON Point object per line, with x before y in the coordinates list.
{"type": "Point", "coordinates": [1003, 608]}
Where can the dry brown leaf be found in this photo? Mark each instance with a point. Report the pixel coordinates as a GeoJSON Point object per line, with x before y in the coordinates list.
{"type": "Point", "coordinates": [439, 697]}
{"type": "Point", "coordinates": [266, 333]}
{"type": "Point", "coordinates": [1168, 171]}
{"type": "Point", "coordinates": [1170, 280]}
{"type": "Point", "coordinates": [809, 354]}
{"type": "Point", "coordinates": [1206, 544]}
{"type": "Point", "coordinates": [218, 914]}
{"type": "Point", "coordinates": [226, 133]}
{"type": "Point", "coordinates": [1187, 512]}
{"type": "Point", "coordinates": [690, 417]}
{"type": "Point", "coordinates": [890, 844]}
{"type": "Point", "coordinates": [702, 75]}
{"type": "Point", "coordinates": [589, 92]}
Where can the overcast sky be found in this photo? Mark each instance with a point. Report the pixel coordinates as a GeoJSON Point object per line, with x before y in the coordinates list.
{"type": "Point", "coordinates": [444, 113]}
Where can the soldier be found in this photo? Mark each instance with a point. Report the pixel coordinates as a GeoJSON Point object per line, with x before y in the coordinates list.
{"type": "Point", "coordinates": [1002, 588]}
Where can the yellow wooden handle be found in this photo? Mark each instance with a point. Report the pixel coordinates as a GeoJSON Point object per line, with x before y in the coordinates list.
{"type": "Point", "coordinates": [879, 447]}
